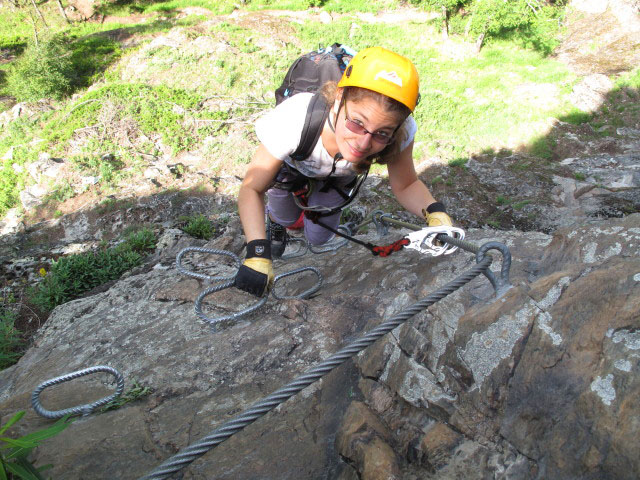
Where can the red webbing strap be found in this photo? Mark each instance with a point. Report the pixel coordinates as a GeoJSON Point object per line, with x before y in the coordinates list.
{"type": "Point", "coordinates": [381, 251]}
{"type": "Point", "coordinates": [386, 250]}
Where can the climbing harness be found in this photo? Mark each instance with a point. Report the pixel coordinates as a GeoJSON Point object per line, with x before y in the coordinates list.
{"type": "Point", "coordinates": [189, 454]}
{"type": "Point", "coordinates": [229, 282]}
{"type": "Point", "coordinates": [80, 409]}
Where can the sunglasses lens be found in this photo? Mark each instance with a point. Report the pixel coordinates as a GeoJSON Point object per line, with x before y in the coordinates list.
{"type": "Point", "coordinates": [384, 139]}
{"type": "Point", "coordinates": [360, 130]}
{"type": "Point", "coordinates": [355, 127]}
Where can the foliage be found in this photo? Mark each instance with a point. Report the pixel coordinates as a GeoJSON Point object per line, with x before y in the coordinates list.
{"type": "Point", "coordinates": [136, 392]}
{"type": "Point", "coordinates": [73, 275]}
{"type": "Point", "coordinates": [43, 71]}
{"type": "Point", "coordinates": [198, 226]}
{"type": "Point", "coordinates": [534, 22]}
{"type": "Point", "coordinates": [9, 338]}
{"type": "Point", "coordinates": [14, 452]}
{"type": "Point", "coordinates": [449, 5]}
{"type": "Point", "coordinates": [59, 64]}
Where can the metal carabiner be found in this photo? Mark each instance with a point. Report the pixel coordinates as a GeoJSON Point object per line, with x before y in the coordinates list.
{"type": "Point", "coordinates": [425, 240]}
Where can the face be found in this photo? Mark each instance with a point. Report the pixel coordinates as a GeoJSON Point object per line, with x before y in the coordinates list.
{"type": "Point", "coordinates": [372, 124]}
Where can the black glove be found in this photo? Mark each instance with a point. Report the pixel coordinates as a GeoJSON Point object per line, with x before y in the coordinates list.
{"type": "Point", "coordinates": [255, 276]}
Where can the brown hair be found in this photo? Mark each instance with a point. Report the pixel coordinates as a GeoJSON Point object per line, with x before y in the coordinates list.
{"type": "Point", "coordinates": [356, 94]}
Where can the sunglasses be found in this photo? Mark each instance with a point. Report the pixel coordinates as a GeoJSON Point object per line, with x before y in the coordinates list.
{"type": "Point", "coordinates": [357, 128]}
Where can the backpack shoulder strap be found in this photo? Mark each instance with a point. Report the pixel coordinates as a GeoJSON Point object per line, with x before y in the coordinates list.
{"type": "Point", "coordinates": [317, 114]}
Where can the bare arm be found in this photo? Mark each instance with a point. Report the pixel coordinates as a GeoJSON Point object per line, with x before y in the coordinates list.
{"type": "Point", "coordinates": [262, 170]}
{"type": "Point", "coordinates": [412, 193]}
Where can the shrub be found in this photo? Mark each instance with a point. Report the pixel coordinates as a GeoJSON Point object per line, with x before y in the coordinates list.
{"type": "Point", "coordinates": [533, 22]}
{"type": "Point", "coordinates": [9, 338]}
{"type": "Point", "coordinates": [74, 275]}
{"type": "Point", "coordinates": [198, 226]}
{"type": "Point", "coordinates": [44, 71]}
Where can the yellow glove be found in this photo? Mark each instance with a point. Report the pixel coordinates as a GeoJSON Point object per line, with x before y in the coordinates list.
{"type": "Point", "coordinates": [256, 273]}
{"type": "Point", "coordinates": [436, 216]}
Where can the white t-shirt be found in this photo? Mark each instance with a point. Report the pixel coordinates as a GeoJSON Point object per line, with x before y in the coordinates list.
{"type": "Point", "coordinates": [279, 131]}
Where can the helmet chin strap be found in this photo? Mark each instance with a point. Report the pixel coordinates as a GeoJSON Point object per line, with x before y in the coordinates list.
{"type": "Point", "coordinates": [332, 125]}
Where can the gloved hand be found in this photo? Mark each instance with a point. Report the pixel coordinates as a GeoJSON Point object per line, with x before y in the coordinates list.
{"type": "Point", "coordinates": [436, 216]}
{"type": "Point", "coordinates": [255, 276]}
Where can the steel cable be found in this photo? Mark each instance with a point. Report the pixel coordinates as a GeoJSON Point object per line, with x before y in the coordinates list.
{"type": "Point", "coordinates": [177, 462]}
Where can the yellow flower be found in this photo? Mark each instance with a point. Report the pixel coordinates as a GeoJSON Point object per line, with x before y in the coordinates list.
{"type": "Point", "coordinates": [42, 272]}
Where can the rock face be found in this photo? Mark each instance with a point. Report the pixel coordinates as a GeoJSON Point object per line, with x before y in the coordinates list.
{"type": "Point", "coordinates": [547, 373]}
{"type": "Point", "coordinates": [539, 383]}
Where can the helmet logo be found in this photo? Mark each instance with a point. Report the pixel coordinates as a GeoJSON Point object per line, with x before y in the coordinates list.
{"type": "Point", "coordinates": [389, 77]}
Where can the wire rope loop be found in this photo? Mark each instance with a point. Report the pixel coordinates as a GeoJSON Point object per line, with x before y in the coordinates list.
{"type": "Point", "coordinates": [301, 251]}
{"type": "Point", "coordinates": [232, 316]}
{"type": "Point", "coordinates": [85, 409]}
{"type": "Point", "coordinates": [306, 293]}
{"type": "Point", "coordinates": [203, 276]}
{"type": "Point", "coordinates": [333, 245]}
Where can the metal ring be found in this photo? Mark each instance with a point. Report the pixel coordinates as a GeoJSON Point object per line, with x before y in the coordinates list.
{"type": "Point", "coordinates": [331, 247]}
{"type": "Point", "coordinates": [203, 276]}
{"type": "Point", "coordinates": [301, 251]}
{"type": "Point", "coordinates": [306, 293]}
{"type": "Point", "coordinates": [232, 316]}
{"type": "Point", "coordinates": [80, 409]}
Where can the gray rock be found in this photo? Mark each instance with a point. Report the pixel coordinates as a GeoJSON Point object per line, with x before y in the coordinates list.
{"type": "Point", "coordinates": [544, 374]}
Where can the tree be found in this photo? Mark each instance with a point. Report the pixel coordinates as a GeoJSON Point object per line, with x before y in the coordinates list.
{"type": "Point", "coordinates": [495, 17]}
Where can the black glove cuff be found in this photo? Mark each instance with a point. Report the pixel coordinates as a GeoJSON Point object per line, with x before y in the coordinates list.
{"type": "Point", "coordinates": [251, 281]}
{"type": "Point", "coordinates": [259, 248]}
{"type": "Point", "coordinates": [436, 207]}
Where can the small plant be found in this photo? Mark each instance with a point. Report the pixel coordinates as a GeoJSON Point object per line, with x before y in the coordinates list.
{"type": "Point", "coordinates": [10, 340]}
{"type": "Point", "coordinates": [140, 240]}
{"type": "Point", "coordinates": [458, 162]}
{"type": "Point", "coordinates": [521, 205]}
{"type": "Point", "coordinates": [502, 200]}
{"type": "Point", "coordinates": [198, 226]}
{"type": "Point", "coordinates": [136, 392]}
{"type": "Point", "coordinates": [62, 192]}
{"type": "Point", "coordinates": [14, 452]}
{"type": "Point", "coordinates": [74, 275]}
{"type": "Point", "coordinates": [581, 177]}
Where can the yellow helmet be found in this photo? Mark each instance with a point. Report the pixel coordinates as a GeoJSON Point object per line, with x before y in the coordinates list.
{"type": "Point", "coordinates": [385, 72]}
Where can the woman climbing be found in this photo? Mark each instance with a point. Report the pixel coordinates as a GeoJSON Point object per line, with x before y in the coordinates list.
{"type": "Point", "coordinates": [369, 121]}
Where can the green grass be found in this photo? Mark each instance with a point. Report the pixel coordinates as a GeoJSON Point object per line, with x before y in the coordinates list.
{"type": "Point", "coordinates": [73, 275]}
